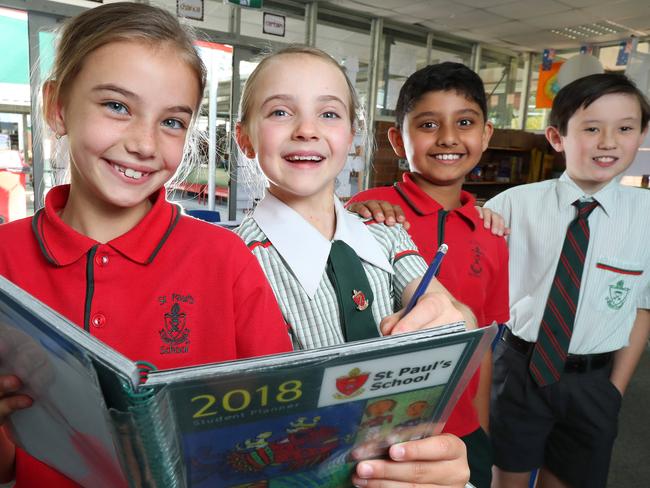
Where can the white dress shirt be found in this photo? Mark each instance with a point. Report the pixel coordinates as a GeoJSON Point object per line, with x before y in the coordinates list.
{"type": "Point", "coordinates": [305, 249]}
{"type": "Point", "coordinates": [616, 276]}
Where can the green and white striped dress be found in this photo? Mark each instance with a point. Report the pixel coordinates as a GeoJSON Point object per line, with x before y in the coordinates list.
{"type": "Point", "coordinates": [314, 317]}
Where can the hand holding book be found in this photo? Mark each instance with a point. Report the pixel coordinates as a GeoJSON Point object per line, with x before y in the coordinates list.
{"type": "Point", "coordinates": [409, 456]}
{"type": "Point", "coordinates": [296, 416]}
{"type": "Point", "coordinates": [13, 396]}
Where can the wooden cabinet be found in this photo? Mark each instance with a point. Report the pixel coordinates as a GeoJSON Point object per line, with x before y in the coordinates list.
{"type": "Point", "coordinates": [513, 157]}
{"type": "Point", "coordinates": [386, 166]}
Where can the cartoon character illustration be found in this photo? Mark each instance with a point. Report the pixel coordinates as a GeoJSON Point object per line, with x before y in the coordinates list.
{"type": "Point", "coordinates": [305, 444]}
{"type": "Point", "coordinates": [259, 442]}
{"type": "Point", "coordinates": [416, 425]}
{"type": "Point", "coordinates": [377, 413]}
{"type": "Point", "coordinates": [414, 411]}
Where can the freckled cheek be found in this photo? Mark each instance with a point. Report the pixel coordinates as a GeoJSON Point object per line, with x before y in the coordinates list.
{"type": "Point", "coordinates": [173, 155]}
{"type": "Point", "coordinates": [90, 142]}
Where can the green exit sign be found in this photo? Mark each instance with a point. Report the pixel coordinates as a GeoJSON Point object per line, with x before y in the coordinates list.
{"type": "Point", "coordinates": [246, 3]}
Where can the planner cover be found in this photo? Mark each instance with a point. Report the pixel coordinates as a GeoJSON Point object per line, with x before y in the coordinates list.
{"type": "Point", "coordinates": [291, 420]}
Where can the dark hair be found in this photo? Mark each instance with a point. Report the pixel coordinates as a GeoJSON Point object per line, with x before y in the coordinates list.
{"type": "Point", "coordinates": [445, 76]}
{"type": "Point", "coordinates": [584, 91]}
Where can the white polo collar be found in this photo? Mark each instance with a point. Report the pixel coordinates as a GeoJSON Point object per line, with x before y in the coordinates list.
{"type": "Point", "coordinates": [568, 192]}
{"type": "Point", "coordinates": [304, 249]}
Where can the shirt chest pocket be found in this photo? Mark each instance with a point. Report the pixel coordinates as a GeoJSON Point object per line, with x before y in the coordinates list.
{"type": "Point", "coordinates": [619, 283]}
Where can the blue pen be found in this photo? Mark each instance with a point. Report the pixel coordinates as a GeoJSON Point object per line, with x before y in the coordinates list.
{"type": "Point", "coordinates": [426, 279]}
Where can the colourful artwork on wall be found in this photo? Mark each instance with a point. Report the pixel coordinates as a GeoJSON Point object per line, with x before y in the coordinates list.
{"type": "Point", "coordinates": [547, 86]}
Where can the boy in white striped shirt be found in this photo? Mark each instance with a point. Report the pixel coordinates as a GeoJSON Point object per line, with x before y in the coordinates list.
{"type": "Point", "coordinates": [567, 427]}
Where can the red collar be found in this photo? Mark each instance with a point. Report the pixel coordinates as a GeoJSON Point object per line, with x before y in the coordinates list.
{"type": "Point", "coordinates": [61, 245]}
{"type": "Point", "coordinates": [423, 204]}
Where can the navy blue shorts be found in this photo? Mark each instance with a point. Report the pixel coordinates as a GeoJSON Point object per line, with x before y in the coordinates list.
{"type": "Point", "coordinates": [568, 427]}
{"type": "Point", "coordinates": [479, 457]}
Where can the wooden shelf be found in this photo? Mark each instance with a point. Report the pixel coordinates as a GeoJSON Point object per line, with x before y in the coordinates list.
{"type": "Point", "coordinates": [493, 183]}
{"type": "Point", "coordinates": [507, 148]}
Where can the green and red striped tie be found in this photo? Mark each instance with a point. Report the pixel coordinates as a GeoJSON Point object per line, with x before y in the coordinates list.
{"type": "Point", "coordinates": [552, 346]}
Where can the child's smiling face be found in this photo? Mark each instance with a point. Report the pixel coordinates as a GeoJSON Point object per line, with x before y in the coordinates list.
{"type": "Point", "coordinates": [126, 115]}
{"type": "Point", "coordinates": [300, 128]}
{"type": "Point", "coordinates": [601, 140]}
{"type": "Point", "coordinates": [442, 137]}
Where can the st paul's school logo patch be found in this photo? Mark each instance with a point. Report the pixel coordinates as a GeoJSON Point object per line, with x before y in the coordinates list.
{"type": "Point", "coordinates": [175, 334]}
{"type": "Point", "coordinates": [618, 293]}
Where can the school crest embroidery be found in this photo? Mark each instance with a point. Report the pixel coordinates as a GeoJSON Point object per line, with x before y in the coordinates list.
{"type": "Point", "coordinates": [360, 300]}
{"type": "Point", "coordinates": [350, 386]}
{"type": "Point", "coordinates": [617, 295]}
{"type": "Point", "coordinates": [476, 265]}
{"type": "Point", "coordinates": [175, 333]}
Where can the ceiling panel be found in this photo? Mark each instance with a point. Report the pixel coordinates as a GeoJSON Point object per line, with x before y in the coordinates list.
{"type": "Point", "coordinates": [473, 35]}
{"type": "Point", "coordinates": [540, 40]}
{"type": "Point", "coordinates": [587, 3]}
{"type": "Point", "coordinates": [525, 23]}
{"type": "Point", "coordinates": [474, 18]}
{"type": "Point", "coordinates": [407, 19]}
{"type": "Point", "coordinates": [641, 23]}
{"type": "Point", "coordinates": [507, 28]}
{"type": "Point", "coordinates": [485, 3]}
{"type": "Point", "coordinates": [364, 7]}
{"type": "Point", "coordinates": [622, 10]}
{"type": "Point", "coordinates": [433, 10]}
{"type": "Point", "coordinates": [528, 8]}
{"type": "Point", "coordinates": [564, 19]}
{"type": "Point", "coordinates": [376, 3]}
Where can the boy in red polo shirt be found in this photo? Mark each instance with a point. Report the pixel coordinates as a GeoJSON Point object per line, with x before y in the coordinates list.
{"type": "Point", "coordinates": [441, 128]}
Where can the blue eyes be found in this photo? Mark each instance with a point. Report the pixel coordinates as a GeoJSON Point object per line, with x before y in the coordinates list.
{"type": "Point", "coordinates": [121, 109]}
{"type": "Point", "coordinates": [173, 124]}
{"type": "Point", "coordinates": [285, 113]}
{"type": "Point", "coordinates": [116, 107]}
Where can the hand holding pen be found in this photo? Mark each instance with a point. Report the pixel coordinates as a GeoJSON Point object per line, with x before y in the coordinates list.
{"type": "Point", "coordinates": [430, 305]}
{"type": "Point", "coordinates": [428, 276]}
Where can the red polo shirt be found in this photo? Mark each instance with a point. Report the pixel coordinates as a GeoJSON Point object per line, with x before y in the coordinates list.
{"type": "Point", "coordinates": [126, 292]}
{"type": "Point", "coordinates": [475, 270]}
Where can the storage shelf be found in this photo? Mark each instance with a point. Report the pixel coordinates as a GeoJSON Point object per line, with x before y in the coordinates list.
{"type": "Point", "coordinates": [494, 183]}
{"type": "Point", "coordinates": [507, 148]}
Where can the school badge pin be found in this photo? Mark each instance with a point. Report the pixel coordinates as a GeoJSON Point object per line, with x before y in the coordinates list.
{"type": "Point", "coordinates": [617, 295]}
{"type": "Point", "coordinates": [360, 300]}
{"type": "Point", "coordinates": [351, 385]}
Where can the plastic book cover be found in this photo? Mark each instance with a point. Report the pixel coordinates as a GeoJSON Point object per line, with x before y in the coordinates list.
{"type": "Point", "coordinates": [68, 425]}
{"type": "Point", "coordinates": [288, 421]}
{"type": "Point", "coordinates": [291, 420]}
